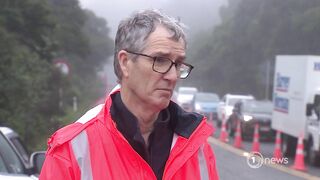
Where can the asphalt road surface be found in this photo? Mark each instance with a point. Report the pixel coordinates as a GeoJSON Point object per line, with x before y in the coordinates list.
{"type": "Point", "coordinates": [232, 163]}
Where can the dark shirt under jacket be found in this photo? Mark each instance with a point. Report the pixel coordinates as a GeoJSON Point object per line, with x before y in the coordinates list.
{"type": "Point", "coordinates": [160, 139]}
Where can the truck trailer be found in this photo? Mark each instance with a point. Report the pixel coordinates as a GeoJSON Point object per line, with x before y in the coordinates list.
{"type": "Point", "coordinates": [296, 101]}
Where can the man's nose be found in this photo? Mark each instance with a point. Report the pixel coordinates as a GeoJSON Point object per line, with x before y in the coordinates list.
{"type": "Point", "coordinates": [172, 74]}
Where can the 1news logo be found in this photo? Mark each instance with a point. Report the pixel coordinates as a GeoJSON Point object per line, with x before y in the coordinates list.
{"type": "Point", "coordinates": [256, 160]}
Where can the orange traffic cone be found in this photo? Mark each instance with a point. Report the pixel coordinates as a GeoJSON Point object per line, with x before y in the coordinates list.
{"type": "Point", "coordinates": [277, 150]}
{"type": "Point", "coordinates": [256, 143]}
{"type": "Point", "coordinates": [238, 138]}
{"type": "Point", "coordinates": [223, 133]}
{"type": "Point", "coordinates": [299, 159]}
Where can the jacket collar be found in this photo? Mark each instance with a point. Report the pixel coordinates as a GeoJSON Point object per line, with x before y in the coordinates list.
{"type": "Point", "coordinates": [184, 123]}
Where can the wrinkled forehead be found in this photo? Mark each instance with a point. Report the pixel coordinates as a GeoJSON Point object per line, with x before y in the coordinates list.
{"type": "Point", "coordinates": [164, 36]}
{"type": "Point", "coordinates": [173, 34]}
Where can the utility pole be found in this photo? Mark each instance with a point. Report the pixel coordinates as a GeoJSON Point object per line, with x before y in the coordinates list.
{"type": "Point", "coordinates": [267, 79]}
{"type": "Point", "coordinates": [60, 97]}
{"type": "Point", "coordinates": [75, 104]}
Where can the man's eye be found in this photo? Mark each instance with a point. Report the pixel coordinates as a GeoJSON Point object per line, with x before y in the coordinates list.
{"type": "Point", "coordinates": [162, 60]}
{"type": "Point", "coordinates": [178, 65]}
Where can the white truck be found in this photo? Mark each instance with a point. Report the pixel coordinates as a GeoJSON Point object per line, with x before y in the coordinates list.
{"type": "Point", "coordinates": [296, 103]}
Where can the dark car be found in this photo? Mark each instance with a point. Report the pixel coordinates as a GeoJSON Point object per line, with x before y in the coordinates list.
{"type": "Point", "coordinates": [249, 113]}
{"type": "Point", "coordinates": [206, 103]}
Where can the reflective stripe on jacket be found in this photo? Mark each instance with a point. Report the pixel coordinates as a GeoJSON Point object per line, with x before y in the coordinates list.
{"type": "Point", "coordinates": [93, 148]}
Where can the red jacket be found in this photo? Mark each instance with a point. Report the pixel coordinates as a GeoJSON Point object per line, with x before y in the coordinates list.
{"type": "Point", "coordinates": [93, 148]}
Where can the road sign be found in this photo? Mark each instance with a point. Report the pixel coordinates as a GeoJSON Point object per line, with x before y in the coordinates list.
{"type": "Point", "coordinates": [62, 65]}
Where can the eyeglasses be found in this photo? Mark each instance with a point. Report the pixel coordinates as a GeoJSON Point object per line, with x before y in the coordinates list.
{"type": "Point", "coordinates": [163, 65]}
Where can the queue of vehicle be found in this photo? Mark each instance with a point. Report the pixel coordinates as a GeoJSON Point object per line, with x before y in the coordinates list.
{"type": "Point", "coordinates": [250, 113]}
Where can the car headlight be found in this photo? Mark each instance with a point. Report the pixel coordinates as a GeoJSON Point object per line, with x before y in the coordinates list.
{"type": "Point", "coordinates": [247, 118]}
{"type": "Point", "coordinates": [198, 107]}
{"type": "Point", "coordinates": [228, 112]}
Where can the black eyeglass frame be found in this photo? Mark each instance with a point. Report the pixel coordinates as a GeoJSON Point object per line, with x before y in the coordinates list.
{"type": "Point", "coordinates": [154, 58]}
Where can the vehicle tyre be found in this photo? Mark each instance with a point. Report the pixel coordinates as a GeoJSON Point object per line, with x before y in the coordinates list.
{"type": "Point", "coordinates": [288, 145]}
{"type": "Point", "coordinates": [313, 156]}
{"type": "Point", "coordinates": [245, 136]}
{"type": "Point", "coordinates": [230, 128]}
{"type": "Point", "coordinates": [219, 123]}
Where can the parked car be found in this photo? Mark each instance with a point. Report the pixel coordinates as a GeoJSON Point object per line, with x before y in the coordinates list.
{"type": "Point", "coordinates": [6, 176]}
{"type": "Point", "coordinates": [186, 96]}
{"type": "Point", "coordinates": [227, 103]}
{"type": "Point", "coordinates": [174, 97]}
{"type": "Point", "coordinates": [206, 103]}
{"type": "Point", "coordinates": [14, 158]}
{"type": "Point", "coordinates": [249, 113]}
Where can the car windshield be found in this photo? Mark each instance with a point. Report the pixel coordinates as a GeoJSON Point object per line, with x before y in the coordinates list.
{"type": "Point", "coordinates": [258, 107]}
{"type": "Point", "coordinates": [3, 167]}
{"type": "Point", "coordinates": [206, 97]}
{"type": "Point", "coordinates": [233, 101]}
{"type": "Point", "coordinates": [21, 148]}
{"type": "Point", "coordinates": [187, 91]}
{"type": "Point", "coordinates": [9, 159]}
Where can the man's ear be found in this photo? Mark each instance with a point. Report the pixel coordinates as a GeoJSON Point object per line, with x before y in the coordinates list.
{"type": "Point", "coordinates": [123, 62]}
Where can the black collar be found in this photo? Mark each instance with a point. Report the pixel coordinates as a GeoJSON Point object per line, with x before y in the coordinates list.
{"type": "Point", "coordinates": [127, 123]}
{"type": "Point", "coordinates": [181, 122]}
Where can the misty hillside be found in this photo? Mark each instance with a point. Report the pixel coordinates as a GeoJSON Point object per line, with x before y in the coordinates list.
{"type": "Point", "coordinates": [197, 15]}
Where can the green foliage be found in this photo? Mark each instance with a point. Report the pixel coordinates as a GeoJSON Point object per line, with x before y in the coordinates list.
{"type": "Point", "coordinates": [24, 74]}
{"type": "Point", "coordinates": [234, 57]}
{"type": "Point", "coordinates": [35, 98]}
{"type": "Point", "coordinates": [30, 22]}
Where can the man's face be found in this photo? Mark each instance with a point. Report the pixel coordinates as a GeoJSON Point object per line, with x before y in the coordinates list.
{"type": "Point", "coordinates": [149, 87]}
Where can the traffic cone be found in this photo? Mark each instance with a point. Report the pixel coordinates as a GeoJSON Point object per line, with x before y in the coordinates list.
{"type": "Point", "coordinates": [256, 143]}
{"type": "Point", "coordinates": [299, 159]}
{"type": "Point", "coordinates": [210, 122]}
{"type": "Point", "coordinates": [238, 137]}
{"type": "Point", "coordinates": [223, 133]}
{"type": "Point", "coordinates": [277, 154]}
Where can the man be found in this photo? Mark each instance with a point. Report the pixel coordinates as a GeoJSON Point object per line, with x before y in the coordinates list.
{"type": "Point", "coordinates": [138, 133]}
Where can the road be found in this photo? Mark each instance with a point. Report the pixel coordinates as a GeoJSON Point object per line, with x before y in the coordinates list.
{"type": "Point", "coordinates": [232, 163]}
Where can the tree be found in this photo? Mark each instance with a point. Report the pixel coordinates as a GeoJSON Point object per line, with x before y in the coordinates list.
{"type": "Point", "coordinates": [24, 71]}
{"type": "Point", "coordinates": [235, 55]}
{"type": "Point", "coordinates": [33, 33]}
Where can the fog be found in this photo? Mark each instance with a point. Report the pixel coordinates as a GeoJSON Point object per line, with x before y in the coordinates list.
{"type": "Point", "coordinates": [197, 15]}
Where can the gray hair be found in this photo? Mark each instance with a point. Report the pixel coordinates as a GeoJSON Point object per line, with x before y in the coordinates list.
{"type": "Point", "coordinates": [134, 31]}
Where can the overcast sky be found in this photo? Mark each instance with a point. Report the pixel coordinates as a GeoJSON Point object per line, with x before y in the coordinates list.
{"type": "Point", "coordinates": [197, 14]}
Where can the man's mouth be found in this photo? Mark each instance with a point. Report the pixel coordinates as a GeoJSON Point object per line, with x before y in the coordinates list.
{"type": "Point", "coordinates": [165, 89]}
